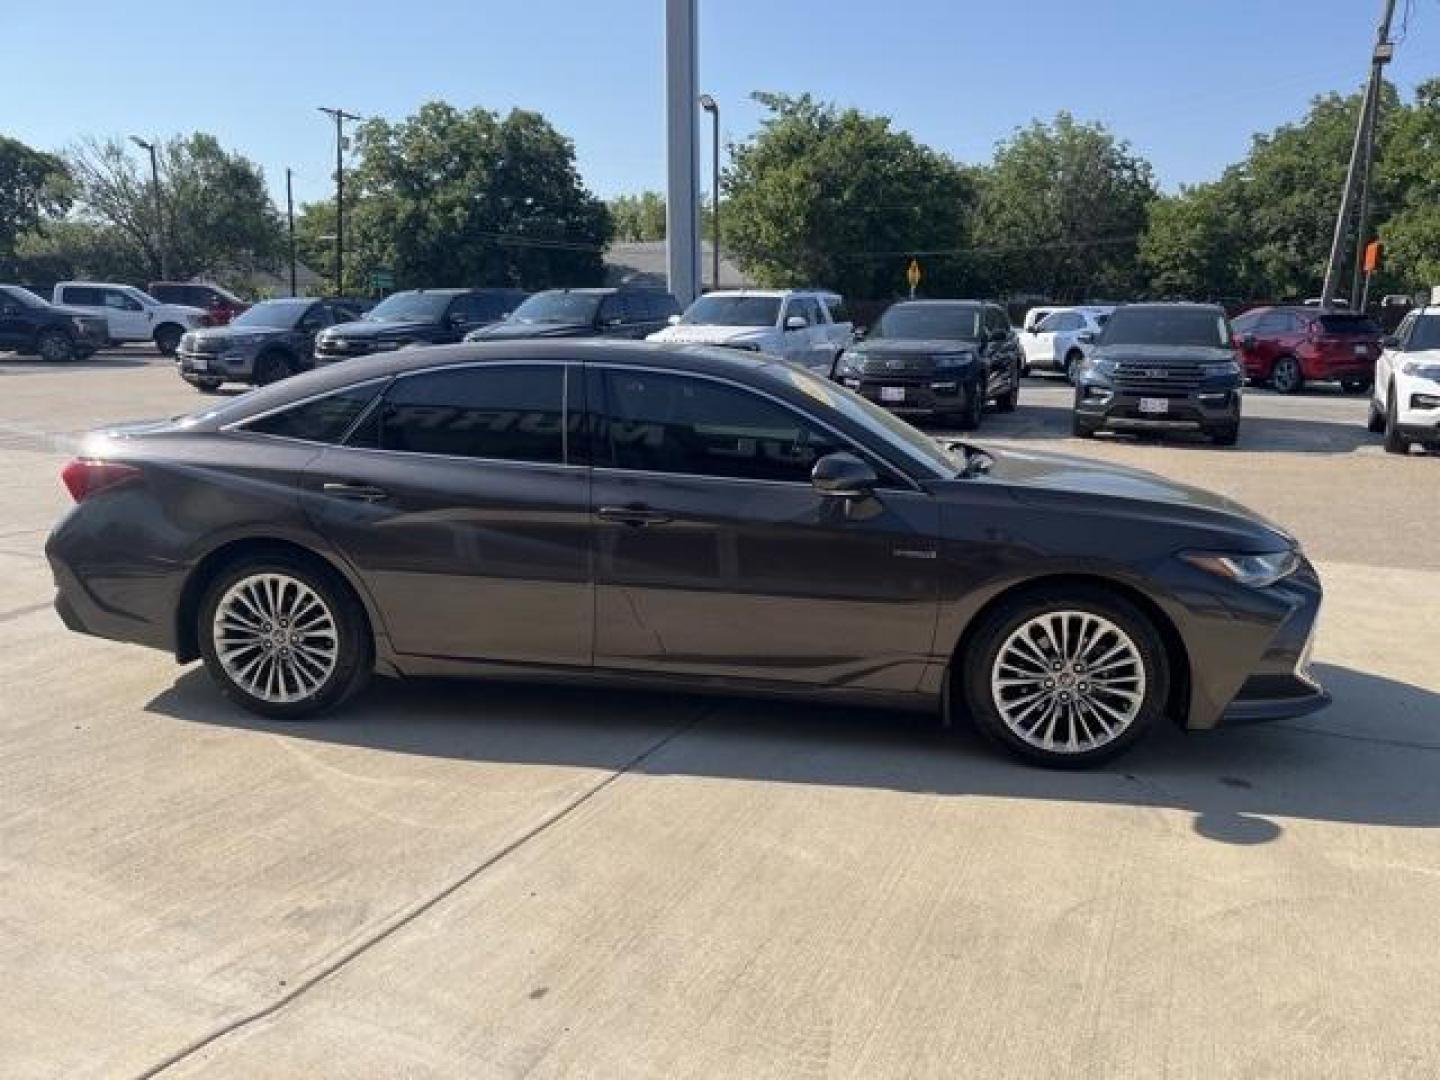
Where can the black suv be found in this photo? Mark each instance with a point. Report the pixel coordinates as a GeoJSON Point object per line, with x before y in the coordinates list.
{"type": "Point", "coordinates": [941, 358]}
{"type": "Point", "coordinates": [30, 325]}
{"type": "Point", "coordinates": [1158, 368]}
{"type": "Point", "coordinates": [616, 313]}
{"type": "Point", "coordinates": [418, 317]}
{"type": "Point", "coordinates": [262, 345]}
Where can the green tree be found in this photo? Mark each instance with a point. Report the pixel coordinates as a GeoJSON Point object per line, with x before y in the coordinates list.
{"type": "Point", "coordinates": [1409, 176]}
{"type": "Point", "coordinates": [467, 198]}
{"type": "Point", "coordinates": [215, 214]}
{"type": "Point", "coordinates": [1062, 210]}
{"type": "Point", "coordinates": [639, 217]}
{"type": "Point", "coordinates": [839, 198]}
{"type": "Point", "coordinates": [33, 186]}
{"type": "Point", "coordinates": [70, 248]}
{"type": "Point", "coordinates": [1192, 245]}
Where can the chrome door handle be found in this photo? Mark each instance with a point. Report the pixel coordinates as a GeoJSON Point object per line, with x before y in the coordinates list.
{"type": "Point", "coordinates": [632, 515]}
{"type": "Point", "coordinates": [355, 492]}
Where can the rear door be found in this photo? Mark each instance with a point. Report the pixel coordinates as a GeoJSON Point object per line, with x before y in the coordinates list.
{"type": "Point", "coordinates": [460, 504]}
{"type": "Point", "coordinates": [716, 557]}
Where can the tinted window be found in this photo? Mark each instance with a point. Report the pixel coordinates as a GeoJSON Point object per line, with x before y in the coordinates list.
{"type": "Point", "coordinates": [82, 294]}
{"type": "Point", "coordinates": [1336, 323]}
{"type": "Point", "coordinates": [919, 321]}
{"type": "Point", "coordinates": [503, 412]}
{"type": "Point", "coordinates": [1425, 334]}
{"type": "Point", "coordinates": [721, 309]}
{"type": "Point", "coordinates": [558, 306]}
{"type": "Point", "coordinates": [120, 301]}
{"type": "Point", "coordinates": [675, 424]}
{"type": "Point", "coordinates": [1167, 326]}
{"type": "Point", "coordinates": [1059, 322]}
{"type": "Point", "coordinates": [838, 311]}
{"type": "Point", "coordinates": [996, 320]}
{"type": "Point", "coordinates": [323, 420]}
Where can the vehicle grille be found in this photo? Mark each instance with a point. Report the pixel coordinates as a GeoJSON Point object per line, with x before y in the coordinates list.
{"type": "Point", "coordinates": [1141, 378]}
{"type": "Point", "coordinates": [879, 366]}
{"type": "Point", "coordinates": [201, 346]}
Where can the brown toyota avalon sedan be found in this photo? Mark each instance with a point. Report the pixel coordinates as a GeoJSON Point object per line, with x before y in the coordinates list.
{"type": "Point", "coordinates": [683, 517]}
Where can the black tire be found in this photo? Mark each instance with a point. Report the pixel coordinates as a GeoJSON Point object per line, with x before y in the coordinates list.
{"type": "Point", "coordinates": [1141, 639]}
{"type": "Point", "coordinates": [354, 647]}
{"type": "Point", "coordinates": [167, 338]}
{"type": "Point", "coordinates": [1081, 428]}
{"type": "Point", "coordinates": [84, 354]}
{"type": "Point", "coordinates": [969, 418]}
{"type": "Point", "coordinates": [1073, 359]}
{"type": "Point", "coordinates": [1395, 443]}
{"type": "Point", "coordinates": [207, 386]}
{"type": "Point", "coordinates": [1225, 436]}
{"type": "Point", "coordinates": [55, 346]}
{"type": "Point", "coordinates": [1375, 421]}
{"type": "Point", "coordinates": [1286, 376]}
{"type": "Point", "coordinates": [1354, 386]}
{"type": "Point", "coordinates": [1010, 400]}
{"type": "Point", "coordinates": [271, 367]}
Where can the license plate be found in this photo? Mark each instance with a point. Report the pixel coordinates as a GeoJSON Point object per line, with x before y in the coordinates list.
{"type": "Point", "coordinates": [892, 393]}
{"type": "Point", "coordinates": [199, 363]}
{"type": "Point", "coordinates": [1362, 350]}
{"type": "Point", "coordinates": [1154, 405]}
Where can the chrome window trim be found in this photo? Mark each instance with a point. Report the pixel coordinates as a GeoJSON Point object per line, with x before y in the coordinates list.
{"type": "Point", "coordinates": [840, 435]}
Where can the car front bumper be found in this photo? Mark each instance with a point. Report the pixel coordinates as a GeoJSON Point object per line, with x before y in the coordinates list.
{"type": "Point", "coordinates": [929, 395]}
{"type": "Point", "coordinates": [1210, 408]}
{"type": "Point", "coordinates": [206, 367]}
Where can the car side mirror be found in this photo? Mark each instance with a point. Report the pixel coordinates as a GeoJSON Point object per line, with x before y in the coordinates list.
{"type": "Point", "coordinates": [796, 322]}
{"type": "Point", "coordinates": [843, 476]}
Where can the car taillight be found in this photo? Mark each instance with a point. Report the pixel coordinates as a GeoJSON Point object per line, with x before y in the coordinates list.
{"type": "Point", "coordinates": [84, 477]}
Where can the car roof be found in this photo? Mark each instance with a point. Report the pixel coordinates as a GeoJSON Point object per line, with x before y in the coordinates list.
{"type": "Point", "coordinates": [694, 359]}
{"type": "Point", "coordinates": [941, 303]}
{"type": "Point", "coordinates": [99, 284]}
{"type": "Point", "coordinates": [773, 294]}
{"type": "Point", "coordinates": [1169, 305]}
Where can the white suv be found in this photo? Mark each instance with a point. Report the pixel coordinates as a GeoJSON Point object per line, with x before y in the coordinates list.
{"type": "Point", "coordinates": [132, 314]}
{"type": "Point", "coordinates": [1405, 401]}
{"type": "Point", "coordinates": [1054, 342]}
{"type": "Point", "coordinates": [806, 327]}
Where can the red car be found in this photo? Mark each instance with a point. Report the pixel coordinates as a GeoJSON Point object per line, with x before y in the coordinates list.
{"type": "Point", "coordinates": [1290, 346]}
{"type": "Point", "coordinates": [221, 304]}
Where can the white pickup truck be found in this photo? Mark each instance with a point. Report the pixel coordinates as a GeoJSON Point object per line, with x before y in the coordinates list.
{"type": "Point", "coordinates": [132, 314]}
{"type": "Point", "coordinates": [806, 327]}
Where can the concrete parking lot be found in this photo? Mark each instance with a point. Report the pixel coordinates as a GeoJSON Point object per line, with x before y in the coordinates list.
{"type": "Point", "coordinates": [483, 881]}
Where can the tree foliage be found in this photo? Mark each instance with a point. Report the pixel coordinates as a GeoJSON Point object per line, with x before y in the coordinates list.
{"type": "Point", "coordinates": [824, 196]}
{"type": "Point", "coordinates": [1063, 208]}
{"type": "Point", "coordinates": [1409, 175]}
{"type": "Point", "coordinates": [447, 197]}
{"type": "Point", "coordinates": [639, 217]}
{"type": "Point", "coordinates": [33, 186]}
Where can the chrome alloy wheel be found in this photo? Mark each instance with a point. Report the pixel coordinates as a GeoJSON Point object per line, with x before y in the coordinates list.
{"type": "Point", "coordinates": [1068, 682]}
{"type": "Point", "coordinates": [275, 637]}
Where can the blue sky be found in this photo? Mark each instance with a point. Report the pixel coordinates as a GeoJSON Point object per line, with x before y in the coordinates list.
{"type": "Point", "coordinates": [1186, 81]}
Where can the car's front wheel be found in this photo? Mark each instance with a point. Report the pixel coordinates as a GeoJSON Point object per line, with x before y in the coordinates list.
{"type": "Point", "coordinates": [167, 339]}
{"type": "Point", "coordinates": [969, 418]}
{"type": "Point", "coordinates": [1066, 678]}
{"type": "Point", "coordinates": [1375, 422]}
{"type": "Point", "coordinates": [283, 637]}
{"type": "Point", "coordinates": [1286, 376]}
{"type": "Point", "coordinates": [1395, 443]}
{"type": "Point", "coordinates": [55, 347]}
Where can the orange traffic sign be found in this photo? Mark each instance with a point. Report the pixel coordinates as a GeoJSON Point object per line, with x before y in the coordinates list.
{"type": "Point", "coordinates": [912, 274]}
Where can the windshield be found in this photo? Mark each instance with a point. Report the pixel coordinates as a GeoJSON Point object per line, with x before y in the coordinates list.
{"type": "Point", "coordinates": [720, 310]}
{"type": "Point", "coordinates": [916, 322]}
{"type": "Point", "coordinates": [410, 307]}
{"type": "Point", "coordinates": [914, 445]}
{"type": "Point", "coordinates": [1426, 334]}
{"type": "Point", "coordinates": [273, 313]}
{"type": "Point", "coordinates": [22, 296]}
{"type": "Point", "coordinates": [1202, 327]}
{"type": "Point", "coordinates": [557, 307]}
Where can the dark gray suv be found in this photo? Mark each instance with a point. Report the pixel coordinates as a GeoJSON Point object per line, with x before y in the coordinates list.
{"type": "Point", "coordinates": [263, 344]}
{"type": "Point", "coordinates": [681, 517]}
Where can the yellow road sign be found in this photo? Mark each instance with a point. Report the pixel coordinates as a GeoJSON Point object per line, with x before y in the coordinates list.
{"type": "Point", "coordinates": [912, 273]}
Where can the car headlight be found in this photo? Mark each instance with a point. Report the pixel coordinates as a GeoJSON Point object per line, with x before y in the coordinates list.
{"type": "Point", "coordinates": [1228, 367]}
{"type": "Point", "coordinates": [1256, 571]}
{"type": "Point", "coordinates": [852, 363]}
{"type": "Point", "coordinates": [1100, 366]}
{"type": "Point", "coordinates": [1421, 370]}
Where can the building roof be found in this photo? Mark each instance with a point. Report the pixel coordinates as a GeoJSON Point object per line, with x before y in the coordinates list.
{"type": "Point", "coordinates": [643, 263]}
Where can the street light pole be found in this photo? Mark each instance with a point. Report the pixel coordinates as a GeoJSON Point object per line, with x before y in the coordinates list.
{"type": "Point", "coordinates": [1381, 55]}
{"type": "Point", "coordinates": [339, 116]}
{"type": "Point", "coordinates": [712, 107]}
{"type": "Point", "coordinates": [290, 219]}
{"type": "Point", "coordinates": [160, 239]}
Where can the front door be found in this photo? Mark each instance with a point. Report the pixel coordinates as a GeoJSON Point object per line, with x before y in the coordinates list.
{"type": "Point", "coordinates": [129, 319]}
{"type": "Point", "coordinates": [461, 510]}
{"type": "Point", "coordinates": [715, 557]}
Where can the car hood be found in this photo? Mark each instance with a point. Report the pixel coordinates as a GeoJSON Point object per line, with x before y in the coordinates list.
{"type": "Point", "coordinates": [510, 331]}
{"type": "Point", "coordinates": [1161, 354]}
{"type": "Point", "coordinates": [708, 334]}
{"type": "Point", "coordinates": [371, 330]}
{"type": "Point", "coordinates": [1038, 477]}
{"type": "Point", "coordinates": [908, 347]}
{"type": "Point", "coordinates": [231, 333]}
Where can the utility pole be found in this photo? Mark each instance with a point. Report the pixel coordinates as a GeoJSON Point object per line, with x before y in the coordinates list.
{"type": "Point", "coordinates": [160, 237]}
{"type": "Point", "coordinates": [339, 116]}
{"type": "Point", "coordinates": [711, 106]}
{"type": "Point", "coordinates": [1371, 119]}
{"type": "Point", "coordinates": [290, 218]}
{"type": "Point", "coordinates": [1360, 151]}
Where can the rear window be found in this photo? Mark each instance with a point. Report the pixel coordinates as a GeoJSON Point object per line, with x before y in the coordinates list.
{"type": "Point", "coordinates": [1201, 327]}
{"type": "Point", "coordinates": [1337, 323]}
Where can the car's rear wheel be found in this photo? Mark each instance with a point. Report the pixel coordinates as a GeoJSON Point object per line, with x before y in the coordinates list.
{"type": "Point", "coordinates": [55, 347]}
{"type": "Point", "coordinates": [1068, 678]}
{"type": "Point", "coordinates": [1375, 421]}
{"type": "Point", "coordinates": [270, 367]}
{"type": "Point", "coordinates": [167, 339]}
{"type": "Point", "coordinates": [1225, 436]}
{"type": "Point", "coordinates": [1395, 443]}
{"type": "Point", "coordinates": [1286, 376]}
{"type": "Point", "coordinates": [282, 637]}
{"type": "Point", "coordinates": [968, 418]}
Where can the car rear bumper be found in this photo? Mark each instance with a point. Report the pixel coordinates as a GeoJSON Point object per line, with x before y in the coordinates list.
{"type": "Point", "coordinates": [1338, 361]}
{"type": "Point", "coordinates": [86, 612]}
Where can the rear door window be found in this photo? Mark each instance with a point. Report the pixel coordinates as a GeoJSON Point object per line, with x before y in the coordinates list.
{"type": "Point", "coordinates": [498, 412]}
{"type": "Point", "coordinates": [84, 295]}
{"type": "Point", "coordinates": [321, 420]}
